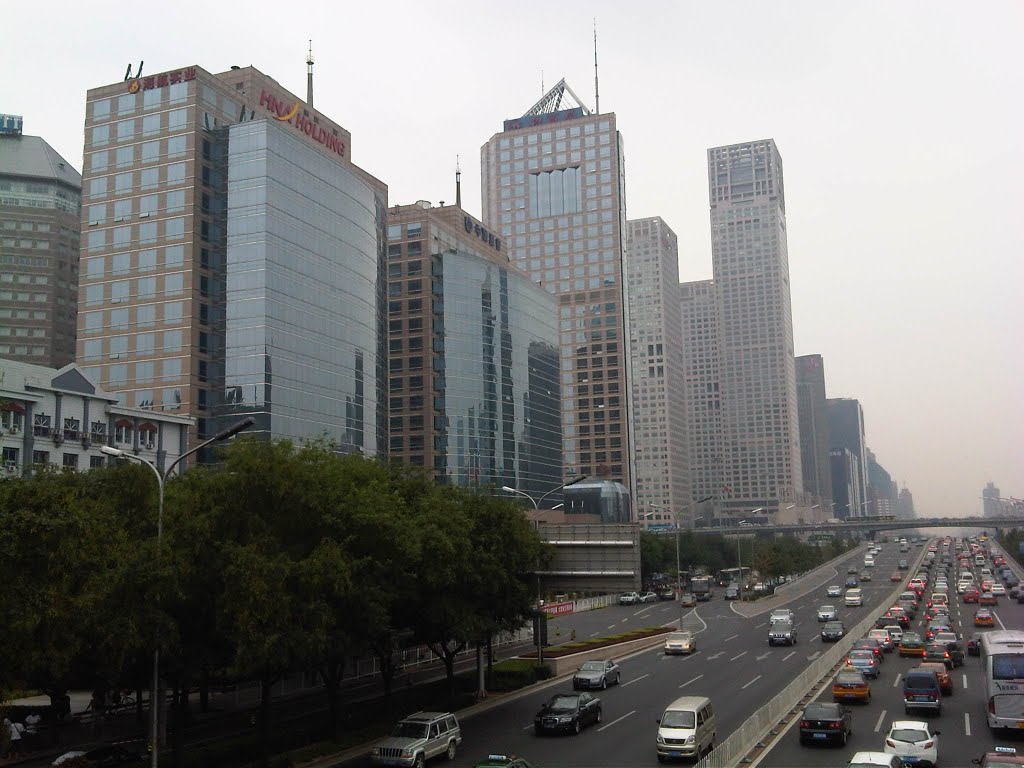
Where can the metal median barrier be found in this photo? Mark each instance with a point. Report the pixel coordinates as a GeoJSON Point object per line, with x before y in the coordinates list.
{"type": "Point", "coordinates": [759, 725]}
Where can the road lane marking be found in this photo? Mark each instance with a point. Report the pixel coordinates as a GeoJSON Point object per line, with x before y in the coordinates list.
{"type": "Point", "coordinates": [594, 634]}
{"type": "Point", "coordinates": [896, 682]}
{"type": "Point", "coordinates": [788, 655]}
{"type": "Point", "coordinates": [630, 682]}
{"type": "Point", "coordinates": [967, 724]}
{"type": "Point", "coordinates": [616, 720]}
{"type": "Point", "coordinates": [965, 679]}
{"type": "Point", "coordinates": [611, 626]}
{"type": "Point", "coordinates": [694, 680]}
{"type": "Point", "coordinates": [738, 656]}
{"type": "Point", "coordinates": [881, 719]}
{"type": "Point", "coordinates": [763, 656]}
{"type": "Point", "coordinates": [528, 727]}
{"type": "Point", "coordinates": [814, 655]}
{"type": "Point", "coordinates": [730, 638]}
{"type": "Point", "coordinates": [720, 653]}
{"type": "Point", "coordinates": [750, 683]}
{"type": "Point", "coordinates": [1001, 625]}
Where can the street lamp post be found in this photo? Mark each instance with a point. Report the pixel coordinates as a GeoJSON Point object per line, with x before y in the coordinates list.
{"type": "Point", "coordinates": [161, 477]}
{"type": "Point", "coordinates": [536, 501]}
{"type": "Point", "coordinates": [679, 575]}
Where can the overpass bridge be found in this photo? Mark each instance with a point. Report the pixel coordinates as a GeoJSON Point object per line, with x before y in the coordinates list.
{"type": "Point", "coordinates": [865, 525]}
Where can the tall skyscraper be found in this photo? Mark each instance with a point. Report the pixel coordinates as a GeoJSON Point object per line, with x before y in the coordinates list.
{"type": "Point", "coordinates": [235, 259]}
{"type": "Point", "coordinates": [656, 360]}
{"type": "Point", "coordinates": [883, 493]}
{"type": "Point", "coordinates": [40, 221]}
{"type": "Point", "coordinates": [473, 354]}
{"type": "Point", "coordinates": [761, 440]}
{"type": "Point", "coordinates": [846, 430]}
{"type": "Point", "coordinates": [905, 509]}
{"type": "Point", "coordinates": [846, 488]}
{"type": "Point", "coordinates": [553, 187]}
{"type": "Point", "coordinates": [814, 435]}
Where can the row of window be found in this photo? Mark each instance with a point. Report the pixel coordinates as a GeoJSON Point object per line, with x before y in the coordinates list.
{"type": "Point", "coordinates": [148, 205]}
{"type": "Point", "coordinates": [120, 319]}
{"type": "Point", "coordinates": [145, 344]}
{"type": "Point", "coordinates": [127, 130]}
{"type": "Point", "coordinates": [96, 267]}
{"type": "Point", "coordinates": [149, 151]}
{"type": "Point", "coordinates": [173, 284]}
{"type": "Point", "coordinates": [148, 178]}
{"type": "Point", "coordinates": [12, 464]}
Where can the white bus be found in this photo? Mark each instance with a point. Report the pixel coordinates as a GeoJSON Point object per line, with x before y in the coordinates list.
{"type": "Point", "coordinates": [1002, 659]}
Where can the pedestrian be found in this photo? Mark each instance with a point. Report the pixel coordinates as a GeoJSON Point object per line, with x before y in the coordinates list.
{"type": "Point", "coordinates": [16, 731]}
{"type": "Point", "coordinates": [31, 739]}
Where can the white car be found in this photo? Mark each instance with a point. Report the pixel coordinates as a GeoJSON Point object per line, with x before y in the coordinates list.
{"type": "Point", "coordinates": [629, 598]}
{"type": "Point", "coordinates": [895, 632]}
{"type": "Point", "coordinates": [913, 739]}
{"type": "Point", "coordinates": [680, 642]}
{"type": "Point", "coordinates": [874, 760]}
{"type": "Point", "coordinates": [834, 591]}
{"type": "Point", "coordinates": [781, 614]}
{"type": "Point", "coordinates": [828, 613]}
{"type": "Point", "coordinates": [998, 590]}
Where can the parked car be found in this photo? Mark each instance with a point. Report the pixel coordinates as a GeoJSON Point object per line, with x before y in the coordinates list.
{"type": "Point", "coordinates": [824, 722]}
{"type": "Point", "coordinates": [596, 674]}
{"type": "Point", "coordinates": [649, 597]}
{"type": "Point", "coordinates": [629, 598]}
{"type": "Point", "coordinates": [568, 712]}
{"type": "Point", "coordinates": [914, 741]}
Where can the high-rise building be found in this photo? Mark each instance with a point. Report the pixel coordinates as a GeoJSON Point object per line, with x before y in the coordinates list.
{"type": "Point", "coordinates": [846, 488]}
{"type": "Point", "coordinates": [553, 188]}
{"type": "Point", "coordinates": [761, 438]}
{"type": "Point", "coordinates": [814, 435]}
{"type": "Point", "coordinates": [883, 493]}
{"type": "Point", "coordinates": [474, 380]}
{"type": "Point", "coordinates": [846, 430]}
{"type": "Point", "coordinates": [234, 260]}
{"type": "Point", "coordinates": [990, 500]}
{"type": "Point", "coordinates": [40, 220]}
{"type": "Point", "coordinates": [656, 360]}
{"type": "Point", "coordinates": [905, 505]}
{"type": "Point", "coordinates": [703, 393]}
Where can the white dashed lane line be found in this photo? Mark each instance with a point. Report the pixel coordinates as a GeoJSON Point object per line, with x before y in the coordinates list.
{"type": "Point", "coordinates": [750, 683]}
{"type": "Point", "coordinates": [881, 719]}
{"type": "Point", "coordinates": [630, 682]}
{"type": "Point", "coordinates": [967, 724]}
{"type": "Point", "coordinates": [694, 680]}
{"type": "Point", "coordinates": [738, 656]}
{"type": "Point", "coordinates": [730, 638]}
{"type": "Point", "coordinates": [788, 655]}
{"type": "Point", "coordinates": [616, 720]}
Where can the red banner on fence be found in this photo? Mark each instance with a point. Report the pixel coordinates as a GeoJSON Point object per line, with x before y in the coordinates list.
{"type": "Point", "coordinates": [557, 609]}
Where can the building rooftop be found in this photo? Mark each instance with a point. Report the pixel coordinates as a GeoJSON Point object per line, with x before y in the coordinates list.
{"type": "Point", "coordinates": [31, 157]}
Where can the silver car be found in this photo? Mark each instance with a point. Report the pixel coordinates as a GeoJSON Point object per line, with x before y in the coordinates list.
{"type": "Point", "coordinates": [828, 613]}
{"type": "Point", "coordinates": [596, 674]}
{"type": "Point", "coordinates": [680, 642]}
{"type": "Point", "coordinates": [418, 738]}
{"type": "Point", "coordinates": [629, 598]}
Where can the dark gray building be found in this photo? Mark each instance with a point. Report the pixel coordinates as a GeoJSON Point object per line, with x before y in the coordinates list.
{"type": "Point", "coordinates": [40, 224]}
{"type": "Point", "coordinates": [846, 487]}
{"type": "Point", "coordinates": [814, 433]}
{"type": "Point", "coordinates": [605, 499]}
{"type": "Point", "coordinates": [846, 430]}
{"type": "Point", "coordinates": [883, 494]}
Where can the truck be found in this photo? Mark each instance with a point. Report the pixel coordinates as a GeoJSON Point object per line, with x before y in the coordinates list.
{"type": "Point", "coordinates": [701, 587]}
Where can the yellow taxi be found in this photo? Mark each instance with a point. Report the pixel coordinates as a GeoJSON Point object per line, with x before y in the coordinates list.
{"type": "Point", "coordinates": [849, 684]}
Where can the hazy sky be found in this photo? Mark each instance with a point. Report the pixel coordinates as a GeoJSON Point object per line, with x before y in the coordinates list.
{"type": "Point", "coordinates": [900, 126]}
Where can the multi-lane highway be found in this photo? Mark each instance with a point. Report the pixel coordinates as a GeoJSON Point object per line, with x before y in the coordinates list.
{"type": "Point", "coordinates": [734, 666]}
{"type": "Point", "coordinates": [964, 732]}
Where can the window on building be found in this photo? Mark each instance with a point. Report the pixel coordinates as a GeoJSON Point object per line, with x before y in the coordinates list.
{"type": "Point", "coordinates": [71, 460]}
{"type": "Point", "coordinates": [41, 425]}
{"type": "Point", "coordinates": [40, 458]}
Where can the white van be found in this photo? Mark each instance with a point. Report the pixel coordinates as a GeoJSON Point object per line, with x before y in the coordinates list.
{"type": "Point", "coordinates": [686, 729]}
{"type": "Point", "coordinates": [854, 597]}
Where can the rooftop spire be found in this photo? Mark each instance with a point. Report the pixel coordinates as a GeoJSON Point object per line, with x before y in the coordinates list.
{"type": "Point", "coordinates": [458, 183]}
{"type": "Point", "coordinates": [552, 101]}
{"type": "Point", "coordinates": [309, 75]}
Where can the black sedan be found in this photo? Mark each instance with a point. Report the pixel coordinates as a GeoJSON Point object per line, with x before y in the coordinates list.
{"type": "Point", "coordinates": [567, 712]}
{"type": "Point", "coordinates": [832, 632]}
{"type": "Point", "coordinates": [825, 722]}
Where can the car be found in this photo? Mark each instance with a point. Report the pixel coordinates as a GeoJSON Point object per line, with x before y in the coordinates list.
{"type": "Point", "coordinates": [895, 576]}
{"type": "Point", "coordinates": [971, 595]}
{"type": "Point", "coordinates": [834, 590]}
{"type": "Point", "coordinates": [688, 600]}
{"type": "Point", "coordinates": [828, 613]}
{"type": "Point", "coordinates": [974, 645]}
{"type": "Point", "coordinates": [987, 598]}
{"type": "Point", "coordinates": [1000, 757]}
{"type": "Point", "coordinates": [914, 741]}
{"type": "Point", "coordinates": [875, 760]}
{"type": "Point", "coordinates": [895, 632]}
{"type": "Point", "coordinates": [596, 674]}
{"type": "Point", "coordinates": [781, 614]}
{"type": "Point", "coordinates": [883, 637]}
{"type": "Point", "coordinates": [824, 722]}
{"type": "Point", "coordinates": [865, 661]}
{"type": "Point", "coordinates": [629, 598]}
{"type": "Point", "coordinates": [649, 597]}
{"type": "Point", "coordinates": [105, 756]}
{"type": "Point", "coordinates": [941, 674]}
{"type": "Point", "coordinates": [680, 642]}
{"type": "Point", "coordinates": [865, 575]}
{"type": "Point", "coordinates": [782, 633]}
{"type": "Point", "coordinates": [953, 646]}
{"type": "Point", "coordinates": [667, 593]}
{"type": "Point", "coordinates": [999, 590]}
{"type": "Point", "coordinates": [832, 632]}
{"type": "Point", "coordinates": [732, 592]}
{"type": "Point", "coordinates": [934, 628]}
{"type": "Point", "coordinates": [984, 618]}
{"type": "Point", "coordinates": [921, 690]}
{"type": "Point", "coordinates": [903, 565]}
{"type": "Point", "coordinates": [850, 683]}
{"type": "Point", "coordinates": [852, 581]}
{"type": "Point", "coordinates": [852, 569]}
{"type": "Point", "coordinates": [869, 644]}
{"type": "Point", "coordinates": [418, 738]}
{"type": "Point", "coordinates": [567, 712]}
{"type": "Point", "coordinates": [911, 644]}
{"type": "Point", "coordinates": [504, 761]}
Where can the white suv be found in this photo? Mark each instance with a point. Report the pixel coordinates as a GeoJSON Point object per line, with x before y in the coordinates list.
{"type": "Point", "coordinates": [418, 738]}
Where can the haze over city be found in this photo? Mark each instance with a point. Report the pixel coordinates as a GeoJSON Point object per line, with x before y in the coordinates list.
{"type": "Point", "coordinates": [897, 125]}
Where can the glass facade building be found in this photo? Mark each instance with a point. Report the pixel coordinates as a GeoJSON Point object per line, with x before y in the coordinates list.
{"type": "Point", "coordinates": [474, 356]}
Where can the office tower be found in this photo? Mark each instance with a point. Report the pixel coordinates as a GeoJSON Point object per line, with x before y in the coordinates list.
{"type": "Point", "coordinates": [846, 430]}
{"type": "Point", "coordinates": [761, 441]}
{"type": "Point", "coordinates": [474, 380]}
{"type": "Point", "coordinates": [990, 497]}
{"type": "Point", "coordinates": [553, 188]}
{"type": "Point", "coordinates": [847, 491]}
{"type": "Point", "coordinates": [905, 505]}
{"type": "Point", "coordinates": [814, 435]}
{"type": "Point", "coordinates": [703, 397]}
{"type": "Point", "coordinates": [40, 220]}
{"type": "Point", "coordinates": [882, 491]}
{"type": "Point", "coordinates": [656, 362]}
{"type": "Point", "coordinates": [234, 261]}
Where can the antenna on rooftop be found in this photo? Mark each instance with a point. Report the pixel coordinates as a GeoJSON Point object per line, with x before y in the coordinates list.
{"type": "Point", "coordinates": [458, 183]}
{"type": "Point", "coordinates": [597, 95]}
{"type": "Point", "coordinates": [309, 75]}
